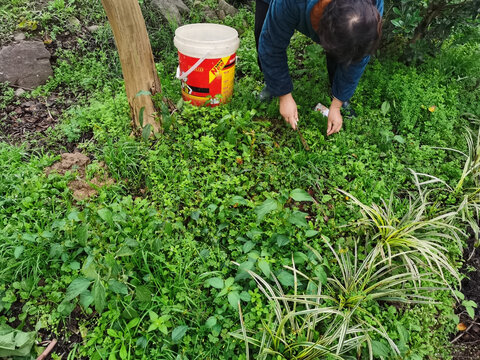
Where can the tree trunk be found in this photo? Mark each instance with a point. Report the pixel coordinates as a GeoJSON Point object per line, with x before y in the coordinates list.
{"type": "Point", "coordinates": [138, 66]}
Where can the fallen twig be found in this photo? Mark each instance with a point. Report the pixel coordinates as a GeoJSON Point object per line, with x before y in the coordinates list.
{"type": "Point", "coordinates": [48, 110]}
{"type": "Point", "coordinates": [302, 139]}
{"type": "Point", "coordinates": [48, 350]}
{"type": "Point", "coordinates": [471, 255]}
{"type": "Point", "coordinates": [20, 87]}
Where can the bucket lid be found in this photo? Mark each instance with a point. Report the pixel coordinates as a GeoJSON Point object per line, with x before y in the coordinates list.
{"type": "Point", "coordinates": [213, 40]}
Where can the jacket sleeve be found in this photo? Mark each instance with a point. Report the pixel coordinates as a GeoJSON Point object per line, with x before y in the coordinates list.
{"type": "Point", "coordinates": [346, 78]}
{"type": "Point", "coordinates": [278, 28]}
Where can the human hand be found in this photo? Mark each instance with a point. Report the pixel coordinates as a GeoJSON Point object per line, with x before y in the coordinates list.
{"type": "Point", "coordinates": [288, 109]}
{"type": "Point", "coordinates": [335, 119]}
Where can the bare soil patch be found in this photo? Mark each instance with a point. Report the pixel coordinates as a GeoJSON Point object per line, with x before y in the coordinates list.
{"type": "Point", "coordinates": [82, 187]}
{"type": "Point", "coordinates": [30, 116]}
{"type": "Point", "coordinates": [28, 122]}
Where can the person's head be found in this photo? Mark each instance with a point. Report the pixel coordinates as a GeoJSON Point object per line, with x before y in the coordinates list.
{"type": "Point", "coordinates": [350, 29]}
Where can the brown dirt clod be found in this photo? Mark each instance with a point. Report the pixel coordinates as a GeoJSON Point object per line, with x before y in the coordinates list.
{"type": "Point", "coordinates": [81, 187]}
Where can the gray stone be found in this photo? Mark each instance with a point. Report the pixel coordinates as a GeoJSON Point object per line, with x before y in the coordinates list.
{"type": "Point", "coordinates": [26, 64]}
{"type": "Point", "coordinates": [93, 28]}
{"type": "Point", "coordinates": [221, 15]}
{"type": "Point", "coordinates": [227, 8]}
{"type": "Point", "coordinates": [74, 22]}
{"type": "Point", "coordinates": [171, 9]}
{"type": "Point", "coordinates": [19, 36]}
{"type": "Point", "coordinates": [209, 14]}
{"type": "Point", "coordinates": [19, 92]}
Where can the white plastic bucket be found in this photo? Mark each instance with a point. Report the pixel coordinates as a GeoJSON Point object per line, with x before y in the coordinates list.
{"type": "Point", "coordinates": [207, 58]}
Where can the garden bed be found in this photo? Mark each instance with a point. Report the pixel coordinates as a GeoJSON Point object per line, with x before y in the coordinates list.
{"type": "Point", "coordinates": [155, 262]}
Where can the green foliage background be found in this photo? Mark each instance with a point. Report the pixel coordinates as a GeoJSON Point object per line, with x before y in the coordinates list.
{"type": "Point", "coordinates": [146, 266]}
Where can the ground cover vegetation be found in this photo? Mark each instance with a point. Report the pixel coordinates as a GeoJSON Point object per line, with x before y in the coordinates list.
{"type": "Point", "coordinates": [224, 238]}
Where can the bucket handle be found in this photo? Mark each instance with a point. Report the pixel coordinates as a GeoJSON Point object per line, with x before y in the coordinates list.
{"type": "Point", "coordinates": [183, 77]}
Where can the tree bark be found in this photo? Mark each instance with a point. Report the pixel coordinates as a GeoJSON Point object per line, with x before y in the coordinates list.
{"type": "Point", "coordinates": [138, 66]}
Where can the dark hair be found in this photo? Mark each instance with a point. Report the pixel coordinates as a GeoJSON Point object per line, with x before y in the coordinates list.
{"type": "Point", "coordinates": [350, 29]}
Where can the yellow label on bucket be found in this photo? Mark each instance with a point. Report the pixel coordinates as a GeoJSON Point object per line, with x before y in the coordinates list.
{"type": "Point", "coordinates": [217, 68]}
{"type": "Point", "coordinates": [228, 78]}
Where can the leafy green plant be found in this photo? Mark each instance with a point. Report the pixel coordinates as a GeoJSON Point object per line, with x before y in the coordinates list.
{"type": "Point", "coordinates": [161, 323]}
{"type": "Point", "coordinates": [465, 193]}
{"type": "Point", "coordinates": [407, 18]}
{"type": "Point", "coordinates": [469, 305]}
{"type": "Point", "coordinates": [228, 288]}
{"type": "Point", "coordinates": [123, 339]}
{"type": "Point", "coordinates": [429, 21]}
{"type": "Point", "coordinates": [14, 342]}
{"type": "Point", "coordinates": [217, 186]}
{"type": "Point", "coordinates": [7, 94]}
{"type": "Point", "coordinates": [472, 161]}
{"type": "Point", "coordinates": [124, 158]}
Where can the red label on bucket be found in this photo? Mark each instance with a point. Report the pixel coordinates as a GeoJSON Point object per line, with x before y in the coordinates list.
{"type": "Point", "coordinates": [211, 80]}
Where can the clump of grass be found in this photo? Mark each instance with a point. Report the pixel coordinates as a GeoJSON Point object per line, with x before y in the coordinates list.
{"type": "Point", "coordinates": [466, 192]}
{"type": "Point", "coordinates": [310, 332]}
{"type": "Point", "coordinates": [469, 208]}
{"type": "Point", "coordinates": [417, 239]}
{"type": "Point", "coordinates": [331, 316]}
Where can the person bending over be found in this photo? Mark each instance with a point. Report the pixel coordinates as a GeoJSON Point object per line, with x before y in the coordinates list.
{"type": "Point", "coordinates": [348, 30]}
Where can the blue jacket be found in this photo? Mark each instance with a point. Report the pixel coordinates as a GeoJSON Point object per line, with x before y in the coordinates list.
{"type": "Point", "coordinates": [283, 18]}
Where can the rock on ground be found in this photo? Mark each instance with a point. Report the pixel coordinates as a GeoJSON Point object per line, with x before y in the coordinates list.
{"type": "Point", "coordinates": [19, 92]}
{"type": "Point", "coordinates": [171, 9]}
{"type": "Point", "coordinates": [26, 64]}
{"type": "Point", "coordinates": [209, 14]}
{"type": "Point", "coordinates": [223, 10]}
{"type": "Point", "coordinates": [19, 36]}
{"type": "Point", "coordinates": [93, 28]}
{"type": "Point", "coordinates": [226, 8]}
